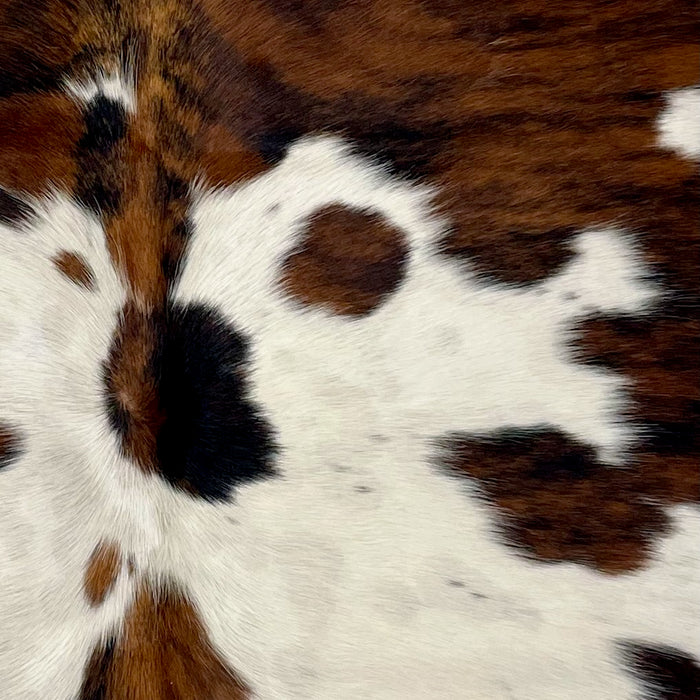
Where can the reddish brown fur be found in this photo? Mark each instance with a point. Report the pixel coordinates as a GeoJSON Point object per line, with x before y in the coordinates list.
{"type": "Point", "coordinates": [163, 653]}
{"type": "Point", "coordinates": [102, 572]}
{"type": "Point", "coordinates": [348, 261]}
{"type": "Point", "coordinates": [74, 267]}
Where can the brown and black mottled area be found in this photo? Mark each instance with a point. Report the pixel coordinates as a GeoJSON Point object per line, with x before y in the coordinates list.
{"type": "Point", "coordinates": [162, 653]}
{"type": "Point", "coordinates": [10, 445]}
{"type": "Point", "coordinates": [177, 394]}
{"type": "Point", "coordinates": [102, 571]}
{"type": "Point", "coordinates": [559, 503]}
{"type": "Point", "coordinates": [664, 673]}
{"type": "Point", "coordinates": [349, 261]}
{"type": "Point", "coordinates": [75, 268]}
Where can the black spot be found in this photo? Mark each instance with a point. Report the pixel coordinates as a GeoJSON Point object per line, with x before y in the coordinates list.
{"type": "Point", "coordinates": [105, 125]}
{"type": "Point", "coordinates": [664, 672]}
{"type": "Point", "coordinates": [96, 676]}
{"type": "Point", "coordinates": [99, 182]}
{"type": "Point", "coordinates": [273, 145]}
{"type": "Point", "coordinates": [170, 187]}
{"type": "Point", "coordinates": [12, 209]}
{"type": "Point", "coordinates": [213, 437]}
{"type": "Point", "coordinates": [99, 190]}
{"type": "Point", "coordinates": [455, 584]}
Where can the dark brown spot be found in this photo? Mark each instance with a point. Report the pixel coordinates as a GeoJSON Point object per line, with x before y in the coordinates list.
{"type": "Point", "coordinates": [665, 673]}
{"type": "Point", "coordinates": [558, 502]}
{"type": "Point", "coordinates": [9, 446]}
{"type": "Point", "coordinates": [349, 261]}
{"type": "Point", "coordinates": [102, 572]}
{"type": "Point", "coordinates": [163, 653]}
{"type": "Point", "coordinates": [12, 209]}
{"type": "Point", "coordinates": [75, 268]}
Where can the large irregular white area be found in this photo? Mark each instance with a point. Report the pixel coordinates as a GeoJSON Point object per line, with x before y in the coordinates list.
{"type": "Point", "coordinates": [69, 488]}
{"type": "Point", "coordinates": [364, 569]}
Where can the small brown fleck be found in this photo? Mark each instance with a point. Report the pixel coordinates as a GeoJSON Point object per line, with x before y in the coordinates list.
{"type": "Point", "coordinates": [350, 260]}
{"type": "Point", "coordinates": [74, 267]}
{"type": "Point", "coordinates": [102, 572]}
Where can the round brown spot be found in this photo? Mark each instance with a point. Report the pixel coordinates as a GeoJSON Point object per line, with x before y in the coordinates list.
{"type": "Point", "coordinates": [102, 572]}
{"type": "Point", "coordinates": [349, 261]}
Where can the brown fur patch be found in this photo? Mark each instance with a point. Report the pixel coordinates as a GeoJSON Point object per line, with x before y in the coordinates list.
{"type": "Point", "coordinates": [559, 503]}
{"type": "Point", "coordinates": [38, 135]}
{"type": "Point", "coordinates": [102, 572]}
{"type": "Point", "coordinates": [75, 268]}
{"type": "Point", "coordinates": [349, 261]}
{"type": "Point", "coordinates": [163, 653]}
{"type": "Point", "coordinates": [535, 119]}
{"type": "Point", "coordinates": [132, 385]}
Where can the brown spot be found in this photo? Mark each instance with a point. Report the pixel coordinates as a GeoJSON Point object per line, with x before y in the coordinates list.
{"type": "Point", "coordinates": [74, 267]}
{"type": "Point", "coordinates": [9, 445]}
{"type": "Point", "coordinates": [132, 385]}
{"type": "Point", "coordinates": [163, 653]}
{"type": "Point", "coordinates": [349, 261]}
{"type": "Point", "coordinates": [102, 572]}
{"type": "Point", "coordinates": [664, 672]}
{"type": "Point", "coordinates": [558, 502]}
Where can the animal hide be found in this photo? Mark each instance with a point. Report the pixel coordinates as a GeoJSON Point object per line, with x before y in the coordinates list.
{"type": "Point", "coordinates": [349, 350]}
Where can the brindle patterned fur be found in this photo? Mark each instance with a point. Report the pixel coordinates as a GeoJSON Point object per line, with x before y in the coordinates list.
{"type": "Point", "coordinates": [349, 349]}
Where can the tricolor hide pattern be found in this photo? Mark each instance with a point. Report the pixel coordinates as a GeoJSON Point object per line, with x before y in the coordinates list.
{"type": "Point", "coordinates": [349, 350]}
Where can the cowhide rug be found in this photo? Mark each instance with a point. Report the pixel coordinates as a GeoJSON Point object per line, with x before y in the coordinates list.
{"type": "Point", "coordinates": [349, 349]}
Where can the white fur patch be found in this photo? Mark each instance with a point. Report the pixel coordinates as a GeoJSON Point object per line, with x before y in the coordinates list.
{"type": "Point", "coordinates": [114, 86]}
{"type": "Point", "coordinates": [679, 123]}
{"type": "Point", "coordinates": [68, 488]}
{"type": "Point", "coordinates": [333, 581]}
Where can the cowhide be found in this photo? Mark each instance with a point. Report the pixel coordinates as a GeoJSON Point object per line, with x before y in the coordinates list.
{"type": "Point", "coordinates": [349, 349]}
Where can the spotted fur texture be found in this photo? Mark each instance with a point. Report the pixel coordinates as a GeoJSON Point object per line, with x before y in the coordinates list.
{"type": "Point", "coordinates": [349, 350]}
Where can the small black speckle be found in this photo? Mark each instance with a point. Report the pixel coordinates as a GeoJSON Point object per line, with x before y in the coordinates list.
{"type": "Point", "coordinates": [480, 596]}
{"type": "Point", "coordinates": [455, 584]}
{"type": "Point", "coordinates": [363, 489]}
